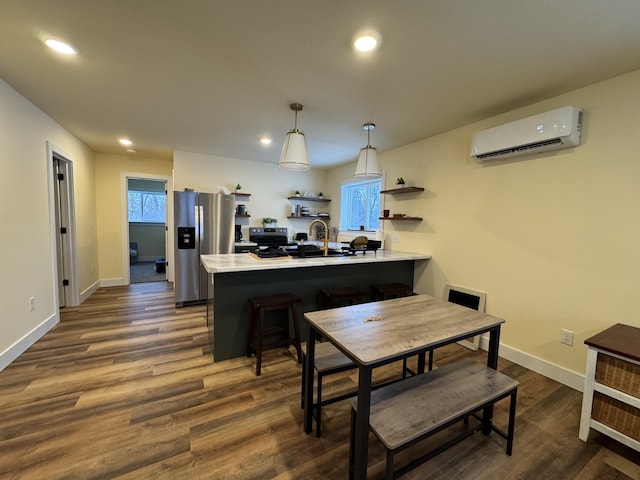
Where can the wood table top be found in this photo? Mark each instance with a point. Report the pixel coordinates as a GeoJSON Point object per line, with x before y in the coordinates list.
{"type": "Point", "coordinates": [378, 331]}
{"type": "Point", "coordinates": [619, 339]}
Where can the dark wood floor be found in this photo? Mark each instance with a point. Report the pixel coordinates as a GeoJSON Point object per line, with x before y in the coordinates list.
{"type": "Point", "coordinates": [125, 387]}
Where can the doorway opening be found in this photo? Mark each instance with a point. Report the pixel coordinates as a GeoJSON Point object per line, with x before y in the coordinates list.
{"type": "Point", "coordinates": [147, 229]}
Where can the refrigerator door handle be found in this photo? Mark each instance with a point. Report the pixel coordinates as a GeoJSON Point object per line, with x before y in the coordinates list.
{"type": "Point", "coordinates": [200, 226]}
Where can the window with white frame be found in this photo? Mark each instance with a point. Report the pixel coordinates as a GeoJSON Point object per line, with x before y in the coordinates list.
{"type": "Point", "coordinates": [360, 205]}
{"type": "Point", "coordinates": [147, 207]}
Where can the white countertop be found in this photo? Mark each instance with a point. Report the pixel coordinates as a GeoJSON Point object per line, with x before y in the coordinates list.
{"type": "Point", "coordinates": [242, 262]}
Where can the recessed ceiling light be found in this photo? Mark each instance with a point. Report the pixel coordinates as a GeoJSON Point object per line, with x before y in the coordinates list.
{"type": "Point", "coordinates": [367, 41]}
{"type": "Point", "coordinates": [131, 150]}
{"type": "Point", "coordinates": [265, 140]}
{"type": "Point", "coordinates": [60, 47]}
{"type": "Point", "coordinates": [125, 141]}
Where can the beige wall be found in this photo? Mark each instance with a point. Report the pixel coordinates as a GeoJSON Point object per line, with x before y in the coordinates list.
{"type": "Point", "coordinates": [28, 256]}
{"type": "Point", "coordinates": [552, 238]}
{"type": "Point", "coordinates": [268, 185]}
{"type": "Point", "coordinates": [111, 172]}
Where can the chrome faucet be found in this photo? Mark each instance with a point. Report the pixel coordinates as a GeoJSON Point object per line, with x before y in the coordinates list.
{"type": "Point", "coordinates": [326, 235]}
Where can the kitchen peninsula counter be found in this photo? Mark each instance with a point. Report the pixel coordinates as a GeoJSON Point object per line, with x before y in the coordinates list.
{"type": "Point", "coordinates": [236, 277]}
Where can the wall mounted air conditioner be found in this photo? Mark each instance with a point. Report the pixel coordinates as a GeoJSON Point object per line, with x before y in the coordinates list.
{"type": "Point", "coordinates": [552, 130]}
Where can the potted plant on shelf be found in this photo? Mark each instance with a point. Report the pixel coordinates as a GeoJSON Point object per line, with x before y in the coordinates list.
{"type": "Point", "coordinates": [238, 187]}
{"type": "Point", "coordinates": [297, 193]}
{"type": "Point", "coordinates": [320, 195]}
{"type": "Point", "coordinates": [269, 222]}
{"type": "Point", "coordinates": [400, 181]}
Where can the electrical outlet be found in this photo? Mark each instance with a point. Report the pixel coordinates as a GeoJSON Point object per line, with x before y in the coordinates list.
{"type": "Point", "coordinates": [394, 238]}
{"type": "Point", "coordinates": [566, 337]}
{"type": "Point", "coordinates": [32, 304]}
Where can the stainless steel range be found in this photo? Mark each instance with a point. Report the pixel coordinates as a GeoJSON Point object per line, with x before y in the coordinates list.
{"type": "Point", "coordinates": [268, 236]}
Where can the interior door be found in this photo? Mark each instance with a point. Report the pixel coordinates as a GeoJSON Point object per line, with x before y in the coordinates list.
{"type": "Point", "coordinates": [62, 216]}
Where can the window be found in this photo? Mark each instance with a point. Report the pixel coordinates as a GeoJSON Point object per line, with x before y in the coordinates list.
{"type": "Point", "coordinates": [361, 205]}
{"type": "Point", "coordinates": [147, 207]}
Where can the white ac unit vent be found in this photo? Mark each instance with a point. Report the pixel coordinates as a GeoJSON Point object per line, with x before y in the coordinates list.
{"type": "Point", "coordinates": [552, 130]}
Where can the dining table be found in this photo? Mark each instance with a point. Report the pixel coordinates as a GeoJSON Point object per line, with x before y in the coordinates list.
{"type": "Point", "coordinates": [377, 333]}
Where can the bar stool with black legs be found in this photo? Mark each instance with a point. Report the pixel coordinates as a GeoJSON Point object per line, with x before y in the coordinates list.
{"type": "Point", "coordinates": [385, 291]}
{"type": "Point", "coordinates": [277, 336]}
{"type": "Point", "coordinates": [339, 297]}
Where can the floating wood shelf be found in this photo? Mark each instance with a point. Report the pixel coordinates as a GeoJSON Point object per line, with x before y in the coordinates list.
{"type": "Point", "coordinates": [310, 199]}
{"type": "Point", "coordinates": [418, 219]}
{"type": "Point", "coordinates": [244, 215]}
{"type": "Point", "coordinates": [394, 191]}
{"type": "Point", "coordinates": [311, 216]}
{"type": "Point", "coordinates": [241, 194]}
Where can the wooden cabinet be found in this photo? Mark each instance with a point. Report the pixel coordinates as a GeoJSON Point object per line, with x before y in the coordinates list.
{"type": "Point", "coordinates": [398, 191]}
{"type": "Point", "coordinates": [611, 398]}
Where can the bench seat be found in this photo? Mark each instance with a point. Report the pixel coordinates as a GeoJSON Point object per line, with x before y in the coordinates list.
{"type": "Point", "coordinates": [406, 412]}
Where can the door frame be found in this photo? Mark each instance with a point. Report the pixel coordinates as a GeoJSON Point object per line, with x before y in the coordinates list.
{"type": "Point", "coordinates": [124, 220]}
{"type": "Point", "coordinates": [67, 201]}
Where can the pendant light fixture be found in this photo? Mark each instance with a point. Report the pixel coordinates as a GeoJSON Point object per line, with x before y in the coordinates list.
{"type": "Point", "coordinates": [294, 150]}
{"type": "Point", "coordinates": [368, 160]}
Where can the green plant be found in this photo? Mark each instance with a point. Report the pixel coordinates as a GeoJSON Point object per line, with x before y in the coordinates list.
{"type": "Point", "coordinates": [297, 192]}
{"type": "Point", "coordinates": [238, 187]}
{"type": "Point", "coordinates": [320, 194]}
{"type": "Point", "coordinates": [400, 181]}
{"type": "Point", "coordinates": [269, 220]}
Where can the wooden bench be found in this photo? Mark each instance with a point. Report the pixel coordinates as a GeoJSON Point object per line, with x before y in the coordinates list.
{"type": "Point", "coordinates": [409, 411]}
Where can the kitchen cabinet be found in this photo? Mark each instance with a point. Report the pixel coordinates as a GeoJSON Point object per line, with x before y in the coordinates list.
{"type": "Point", "coordinates": [611, 397]}
{"type": "Point", "coordinates": [401, 190]}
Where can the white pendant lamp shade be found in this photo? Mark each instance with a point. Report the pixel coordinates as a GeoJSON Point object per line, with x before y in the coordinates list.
{"type": "Point", "coordinates": [294, 150]}
{"type": "Point", "coordinates": [368, 166]}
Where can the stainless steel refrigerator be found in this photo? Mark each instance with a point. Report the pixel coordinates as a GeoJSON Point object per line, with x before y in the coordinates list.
{"type": "Point", "coordinates": [204, 224]}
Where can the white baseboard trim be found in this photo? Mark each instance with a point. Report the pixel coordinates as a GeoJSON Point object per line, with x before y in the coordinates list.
{"type": "Point", "coordinates": [18, 348]}
{"type": "Point", "coordinates": [112, 282]}
{"type": "Point", "coordinates": [89, 291]}
{"type": "Point", "coordinates": [550, 370]}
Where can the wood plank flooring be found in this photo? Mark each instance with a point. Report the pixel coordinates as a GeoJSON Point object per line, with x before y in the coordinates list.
{"type": "Point", "coordinates": [125, 387]}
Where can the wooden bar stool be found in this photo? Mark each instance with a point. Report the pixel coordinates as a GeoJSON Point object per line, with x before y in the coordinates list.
{"type": "Point", "coordinates": [339, 297]}
{"type": "Point", "coordinates": [279, 336]}
{"type": "Point", "coordinates": [384, 291]}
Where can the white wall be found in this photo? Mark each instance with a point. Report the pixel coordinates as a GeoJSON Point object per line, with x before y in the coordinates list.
{"type": "Point", "coordinates": [268, 185]}
{"type": "Point", "coordinates": [552, 238]}
{"type": "Point", "coordinates": [28, 261]}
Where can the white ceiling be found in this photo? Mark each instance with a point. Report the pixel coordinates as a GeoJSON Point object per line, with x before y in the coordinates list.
{"type": "Point", "coordinates": [211, 76]}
